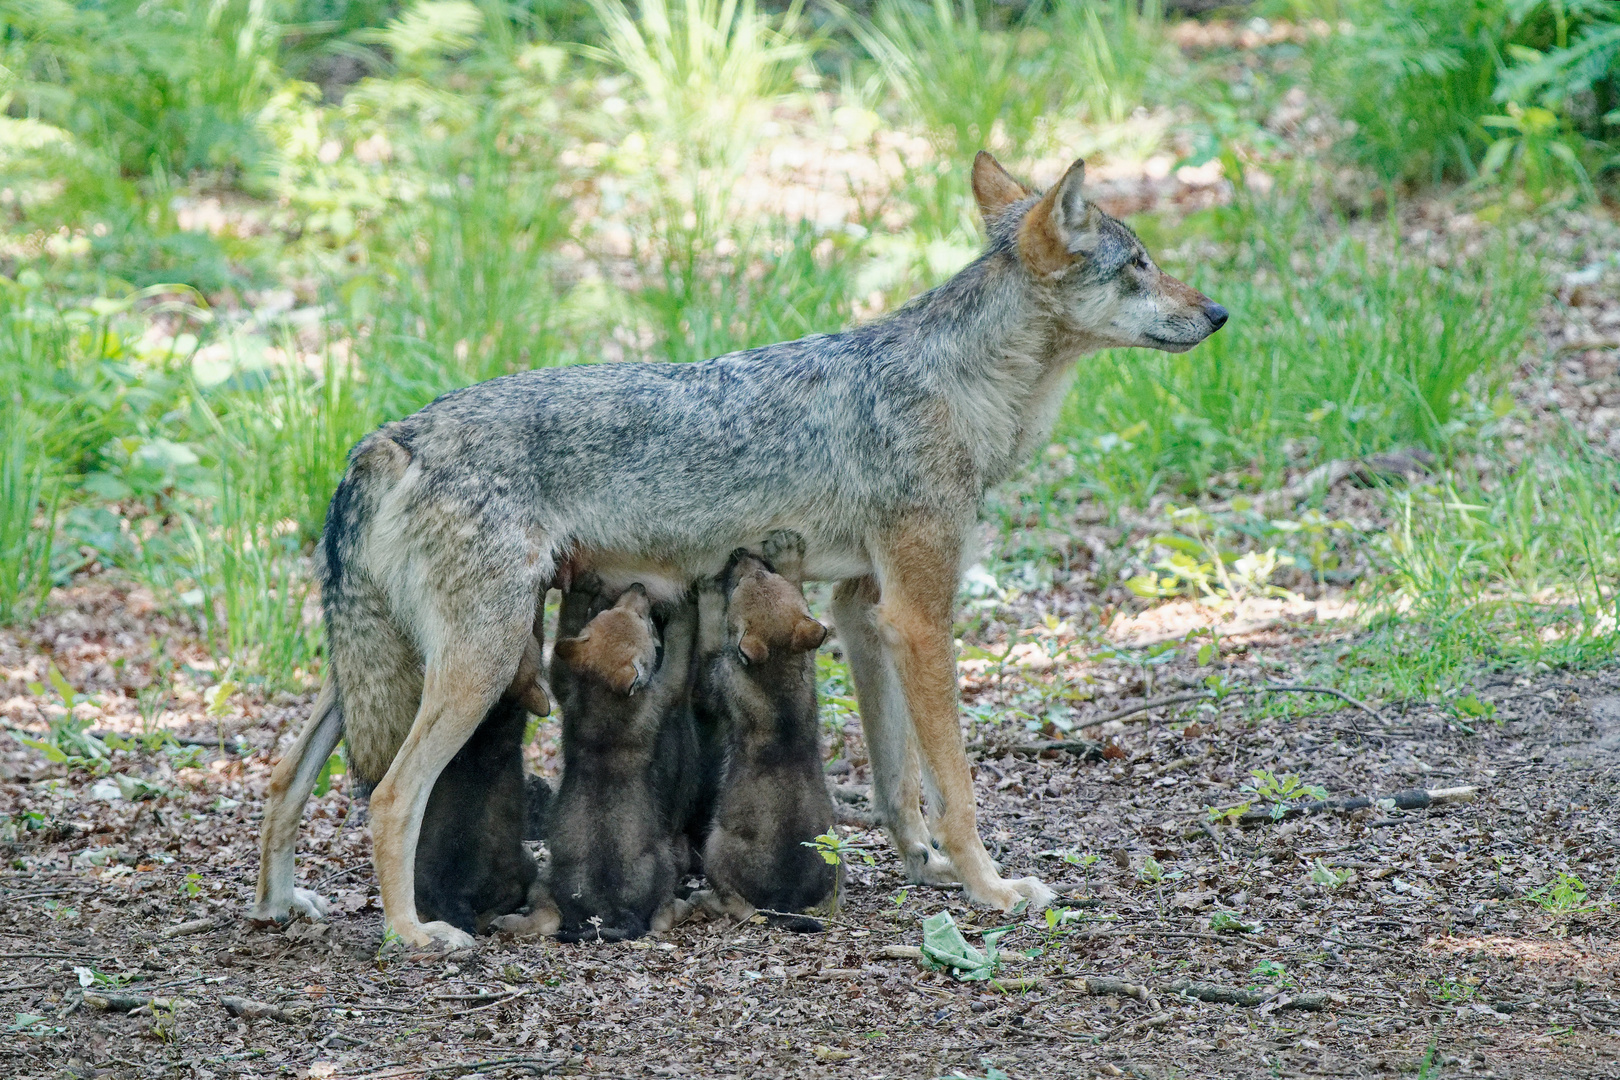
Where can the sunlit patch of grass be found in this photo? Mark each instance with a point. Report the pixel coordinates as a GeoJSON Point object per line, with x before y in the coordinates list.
{"type": "Point", "coordinates": [1514, 572]}
{"type": "Point", "coordinates": [1337, 347]}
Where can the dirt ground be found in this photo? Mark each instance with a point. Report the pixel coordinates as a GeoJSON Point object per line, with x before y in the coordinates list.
{"type": "Point", "coordinates": [1434, 947]}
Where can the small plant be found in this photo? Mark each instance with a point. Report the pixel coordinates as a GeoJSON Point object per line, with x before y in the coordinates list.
{"type": "Point", "coordinates": [1327, 877]}
{"type": "Point", "coordinates": [1271, 973]}
{"type": "Point", "coordinates": [1451, 990]}
{"type": "Point", "coordinates": [1225, 922]}
{"type": "Point", "coordinates": [835, 850]}
{"type": "Point", "coordinates": [191, 887]}
{"type": "Point", "coordinates": [1282, 791]}
{"type": "Point", "coordinates": [333, 767]}
{"type": "Point", "coordinates": [1565, 893]}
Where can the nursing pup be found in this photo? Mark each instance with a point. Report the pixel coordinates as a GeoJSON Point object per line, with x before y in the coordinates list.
{"type": "Point", "coordinates": [628, 762]}
{"type": "Point", "coordinates": [761, 683]}
{"type": "Point", "coordinates": [471, 865]}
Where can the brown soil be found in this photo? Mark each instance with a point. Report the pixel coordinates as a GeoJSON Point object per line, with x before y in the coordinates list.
{"type": "Point", "coordinates": [1432, 947]}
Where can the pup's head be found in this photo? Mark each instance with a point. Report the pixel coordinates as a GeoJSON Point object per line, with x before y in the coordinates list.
{"type": "Point", "coordinates": [1095, 273]}
{"type": "Point", "coordinates": [765, 612]}
{"type": "Point", "coordinates": [619, 646]}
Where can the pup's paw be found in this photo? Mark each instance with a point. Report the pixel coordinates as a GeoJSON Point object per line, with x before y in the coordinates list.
{"type": "Point", "coordinates": [784, 550]}
{"type": "Point", "coordinates": [673, 913]}
{"type": "Point", "coordinates": [542, 923]}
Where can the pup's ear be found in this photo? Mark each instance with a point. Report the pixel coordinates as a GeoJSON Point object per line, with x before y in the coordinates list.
{"type": "Point", "coordinates": [571, 649]}
{"type": "Point", "coordinates": [626, 679]}
{"type": "Point", "coordinates": [993, 187]}
{"type": "Point", "coordinates": [1061, 227]}
{"type": "Point", "coordinates": [753, 648]}
{"type": "Point", "coordinates": [808, 635]}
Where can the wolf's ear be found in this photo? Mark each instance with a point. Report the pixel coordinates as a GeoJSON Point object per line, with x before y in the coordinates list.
{"type": "Point", "coordinates": [1061, 227]}
{"type": "Point", "coordinates": [808, 635]}
{"type": "Point", "coordinates": [993, 187]}
{"type": "Point", "coordinates": [753, 648]}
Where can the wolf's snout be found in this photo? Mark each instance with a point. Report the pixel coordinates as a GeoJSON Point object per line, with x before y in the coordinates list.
{"type": "Point", "coordinates": [1216, 315]}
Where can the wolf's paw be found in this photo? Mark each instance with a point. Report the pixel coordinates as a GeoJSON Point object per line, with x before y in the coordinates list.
{"type": "Point", "coordinates": [434, 935]}
{"type": "Point", "coordinates": [310, 904]}
{"type": "Point", "coordinates": [927, 865]}
{"type": "Point", "coordinates": [271, 911]}
{"type": "Point", "coordinates": [1007, 895]}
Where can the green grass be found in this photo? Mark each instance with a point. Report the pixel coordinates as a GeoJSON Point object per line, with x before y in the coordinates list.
{"type": "Point", "coordinates": [1512, 572]}
{"type": "Point", "coordinates": [1337, 347]}
{"type": "Point", "coordinates": [454, 254]}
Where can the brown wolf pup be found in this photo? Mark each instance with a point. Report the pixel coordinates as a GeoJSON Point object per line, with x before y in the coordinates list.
{"type": "Point", "coordinates": [878, 445]}
{"type": "Point", "coordinates": [628, 752]}
{"type": "Point", "coordinates": [772, 795]}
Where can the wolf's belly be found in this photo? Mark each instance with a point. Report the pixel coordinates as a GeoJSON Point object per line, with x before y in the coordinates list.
{"type": "Point", "coordinates": [669, 579]}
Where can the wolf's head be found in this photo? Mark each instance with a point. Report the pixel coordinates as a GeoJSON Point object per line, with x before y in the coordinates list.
{"type": "Point", "coordinates": [765, 612]}
{"type": "Point", "coordinates": [1093, 272]}
{"type": "Point", "coordinates": [619, 646]}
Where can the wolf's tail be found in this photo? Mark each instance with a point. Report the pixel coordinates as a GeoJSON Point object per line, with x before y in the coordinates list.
{"type": "Point", "coordinates": [377, 668]}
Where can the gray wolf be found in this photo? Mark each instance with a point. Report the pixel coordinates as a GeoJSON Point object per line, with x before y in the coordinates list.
{"type": "Point", "coordinates": [877, 445]}
{"type": "Point", "coordinates": [761, 683]}
{"type": "Point", "coordinates": [628, 756]}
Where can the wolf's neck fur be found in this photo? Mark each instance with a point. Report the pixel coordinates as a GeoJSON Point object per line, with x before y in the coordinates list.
{"type": "Point", "coordinates": [992, 353]}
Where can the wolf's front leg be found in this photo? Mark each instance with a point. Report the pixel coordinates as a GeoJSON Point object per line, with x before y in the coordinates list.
{"type": "Point", "coordinates": [886, 724]}
{"type": "Point", "coordinates": [917, 573]}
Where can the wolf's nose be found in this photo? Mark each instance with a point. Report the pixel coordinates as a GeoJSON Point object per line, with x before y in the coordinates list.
{"type": "Point", "coordinates": [1216, 316]}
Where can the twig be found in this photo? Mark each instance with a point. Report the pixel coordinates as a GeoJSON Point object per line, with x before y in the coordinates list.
{"type": "Point", "coordinates": [1086, 746]}
{"type": "Point", "coordinates": [1226, 995]}
{"type": "Point", "coordinates": [1109, 985]}
{"type": "Point", "coordinates": [1416, 799]}
{"type": "Point", "coordinates": [1158, 1020]}
{"type": "Point", "coordinates": [802, 915]}
{"type": "Point", "coordinates": [470, 1066]}
{"type": "Point", "coordinates": [186, 929]}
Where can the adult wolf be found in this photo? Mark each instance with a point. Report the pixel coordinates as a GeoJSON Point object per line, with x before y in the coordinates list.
{"type": "Point", "coordinates": [876, 445]}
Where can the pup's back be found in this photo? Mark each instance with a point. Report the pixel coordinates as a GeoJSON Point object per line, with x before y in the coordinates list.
{"type": "Point", "coordinates": [609, 826]}
{"type": "Point", "coordinates": [772, 795]}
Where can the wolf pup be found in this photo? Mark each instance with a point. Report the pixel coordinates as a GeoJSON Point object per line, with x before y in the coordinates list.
{"type": "Point", "coordinates": [772, 797]}
{"type": "Point", "coordinates": [877, 445]}
{"type": "Point", "coordinates": [627, 755]}
{"type": "Point", "coordinates": [471, 865]}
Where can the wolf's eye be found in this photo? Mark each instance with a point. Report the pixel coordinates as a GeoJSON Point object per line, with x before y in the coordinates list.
{"type": "Point", "coordinates": [1140, 262]}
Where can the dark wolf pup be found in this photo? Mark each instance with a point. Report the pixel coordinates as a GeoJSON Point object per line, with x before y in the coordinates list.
{"type": "Point", "coordinates": [761, 684]}
{"type": "Point", "coordinates": [471, 865]}
{"type": "Point", "coordinates": [876, 445]}
{"type": "Point", "coordinates": [628, 750]}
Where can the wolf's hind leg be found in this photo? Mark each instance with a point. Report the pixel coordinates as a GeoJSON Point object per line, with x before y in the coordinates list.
{"type": "Point", "coordinates": [886, 723]}
{"type": "Point", "coordinates": [918, 571]}
{"type": "Point", "coordinates": [275, 896]}
{"type": "Point", "coordinates": [460, 685]}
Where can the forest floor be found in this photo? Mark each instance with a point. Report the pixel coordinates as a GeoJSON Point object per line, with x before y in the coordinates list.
{"type": "Point", "coordinates": [1413, 936]}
